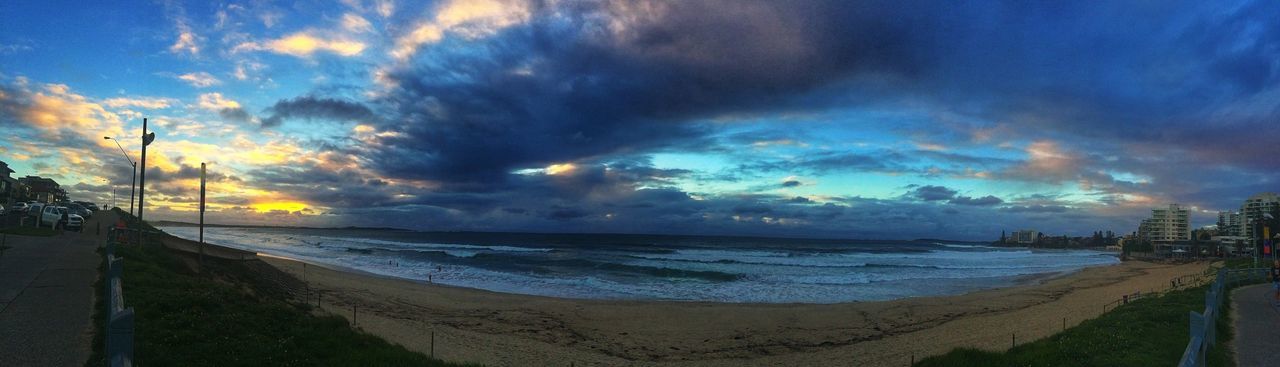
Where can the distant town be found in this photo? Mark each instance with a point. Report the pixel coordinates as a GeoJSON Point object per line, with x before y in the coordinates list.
{"type": "Point", "coordinates": [1168, 233]}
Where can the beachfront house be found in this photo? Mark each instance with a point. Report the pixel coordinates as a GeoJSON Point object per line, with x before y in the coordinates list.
{"type": "Point", "coordinates": [8, 185]}
{"type": "Point", "coordinates": [44, 190]}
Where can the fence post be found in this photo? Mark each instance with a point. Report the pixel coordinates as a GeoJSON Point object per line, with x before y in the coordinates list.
{"type": "Point", "coordinates": [120, 335]}
{"type": "Point", "coordinates": [1197, 332]}
{"type": "Point", "coordinates": [1209, 298]}
{"type": "Point", "coordinates": [433, 344]}
{"type": "Point", "coordinates": [1210, 322]}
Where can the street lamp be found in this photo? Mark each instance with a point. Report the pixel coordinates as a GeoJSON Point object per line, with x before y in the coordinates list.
{"type": "Point", "coordinates": [135, 172]}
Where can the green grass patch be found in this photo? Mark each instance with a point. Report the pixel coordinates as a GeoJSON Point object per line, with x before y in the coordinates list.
{"type": "Point", "coordinates": [1147, 332]}
{"type": "Point", "coordinates": [227, 315]}
{"type": "Point", "coordinates": [31, 231]}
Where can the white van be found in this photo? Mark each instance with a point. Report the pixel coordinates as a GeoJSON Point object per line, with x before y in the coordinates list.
{"type": "Point", "coordinates": [54, 216]}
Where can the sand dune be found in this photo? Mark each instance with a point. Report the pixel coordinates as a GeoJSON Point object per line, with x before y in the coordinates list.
{"type": "Point", "coordinates": [506, 329]}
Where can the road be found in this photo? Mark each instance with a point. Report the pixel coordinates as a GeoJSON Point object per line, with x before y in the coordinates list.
{"type": "Point", "coordinates": [46, 297]}
{"type": "Point", "coordinates": [1257, 325]}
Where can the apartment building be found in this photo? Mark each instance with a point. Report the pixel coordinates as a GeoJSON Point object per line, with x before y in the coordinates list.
{"type": "Point", "coordinates": [1167, 225]}
{"type": "Point", "coordinates": [1253, 209]}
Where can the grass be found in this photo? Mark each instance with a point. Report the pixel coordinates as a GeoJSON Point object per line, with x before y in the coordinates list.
{"type": "Point", "coordinates": [30, 231]}
{"type": "Point", "coordinates": [227, 315]}
{"type": "Point", "coordinates": [1147, 332]}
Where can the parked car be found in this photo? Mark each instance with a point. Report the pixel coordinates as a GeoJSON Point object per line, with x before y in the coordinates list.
{"type": "Point", "coordinates": [18, 207]}
{"type": "Point", "coordinates": [33, 211]}
{"type": "Point", "coordinates": [89, 205]}
{"type": "Point", "coordinates": [51, 215]}
{"type": "Point", "coordinates": [60, 216]}
{"type": "Point", "coordinates": [73, 222]}
{"type": "Point", "coordinates": [79, 210]}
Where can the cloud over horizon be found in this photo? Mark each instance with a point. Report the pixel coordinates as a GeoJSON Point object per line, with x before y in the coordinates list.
{"type": "Point", "coordinates": [881, 119]}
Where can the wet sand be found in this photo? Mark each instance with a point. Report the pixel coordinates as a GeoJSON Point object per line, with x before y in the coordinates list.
{"type": "Point", "coordinates": [499, 329]}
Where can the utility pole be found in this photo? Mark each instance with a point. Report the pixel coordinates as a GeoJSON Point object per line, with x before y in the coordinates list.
{"type": "Point", "coordinates": [133, 186]}
{"type": "Point", "coordinates": [202, 213]}
{"type": "Point", "coordinates": [142, 187]}
{"type": "Point", "coordinates": [147, 138]}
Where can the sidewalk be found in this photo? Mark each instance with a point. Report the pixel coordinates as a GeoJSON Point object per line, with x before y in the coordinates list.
{"type": "Point", "coordinates": [46, 298]}
{"type": "Point", "coordinates": [1257, 325]}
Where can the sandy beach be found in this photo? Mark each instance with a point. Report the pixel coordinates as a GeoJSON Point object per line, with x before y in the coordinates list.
{"type": "Point", "coordinates": [499, 329]}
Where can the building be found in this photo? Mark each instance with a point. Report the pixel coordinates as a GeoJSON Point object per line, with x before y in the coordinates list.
{"type": "Point", "coordinates": [8, 185]}
{"type": "Point", "coordinates": [1167, 225]}
{"type": "Point", "coordinates": [44, 190]}
{"type": "Point", "coordinates": [1253, 209]}
{"type": "Point", "coordinates": [1229, 224]}
{"type": "Point", "coordinates": [1144, 230]}
{"type": "Point", "coordinates": [1026, 236]}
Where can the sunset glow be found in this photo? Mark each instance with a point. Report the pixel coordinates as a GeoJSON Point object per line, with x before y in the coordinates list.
{"type": "Point", "coordinates": [287, 206]}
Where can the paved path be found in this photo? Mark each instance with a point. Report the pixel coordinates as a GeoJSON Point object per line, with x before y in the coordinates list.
{"type": "Point", "coordinates": [1257, 324]}
{"type": "Point", "coordinates": [46, 298]}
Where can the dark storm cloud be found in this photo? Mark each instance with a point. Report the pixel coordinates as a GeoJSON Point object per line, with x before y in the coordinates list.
{"type": "Point", "coordinates": [566, 213]}
{"type": "Point", "coordinates": [13, 102]}
{"type": "Point", "coordinates": [1182, 83]}
{"type": "Point", "coordinates": [328, 188]}
{"type": "Point", "coordinates": [1036, 208]}
{"type": "Point", "coordinates": [933, 193]}
{"type": "Point", "coordinates": [590, 93]}
{"type": "Point", "coordinates": [234, 114]}
{"type": "Point", "coordinates": [982, 201]}
{"type": "Point", "coordinates": [316, 108]}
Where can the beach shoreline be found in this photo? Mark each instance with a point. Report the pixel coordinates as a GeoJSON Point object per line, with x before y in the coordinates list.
{"type": "Point", "coordinates": [473, 325]}
{"type": "Point", "coordinates": [680, 271]}
{"type": "Point", "coordinates": [1018, 281]}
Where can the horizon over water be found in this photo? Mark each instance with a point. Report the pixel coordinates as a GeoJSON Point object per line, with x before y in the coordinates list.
{"type": "Point", "coordinates": [683, 268]}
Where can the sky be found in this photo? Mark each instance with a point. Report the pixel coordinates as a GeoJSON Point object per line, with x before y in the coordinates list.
{"type": "Point", "coordinates": [847, 119]}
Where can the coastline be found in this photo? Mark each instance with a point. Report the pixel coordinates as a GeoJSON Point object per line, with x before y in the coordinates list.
{"type": "Point", "coordinates": [492, 328]}
{"type": "Point", "coordinates": [884, 278]}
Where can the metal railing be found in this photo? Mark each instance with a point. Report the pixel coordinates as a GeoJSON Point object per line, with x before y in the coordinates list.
{"type": "Point", "coordinates": [119, 325]}
{"type": "Point", "coordinates": [1204, 325]}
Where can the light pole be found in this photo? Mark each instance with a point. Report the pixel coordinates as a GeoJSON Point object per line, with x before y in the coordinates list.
{"type": "Point", "coordinates": [133, 184]}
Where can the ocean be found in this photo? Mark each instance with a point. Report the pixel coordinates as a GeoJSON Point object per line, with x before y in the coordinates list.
{"type": "Point", "coordinates": [684, 268]}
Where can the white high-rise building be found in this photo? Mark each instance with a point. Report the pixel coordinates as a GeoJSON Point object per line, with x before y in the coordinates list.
{"type": "Point", "coordinates": [1168, 224]}
{"type": "Point", "coordinates": [1252, 210]}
